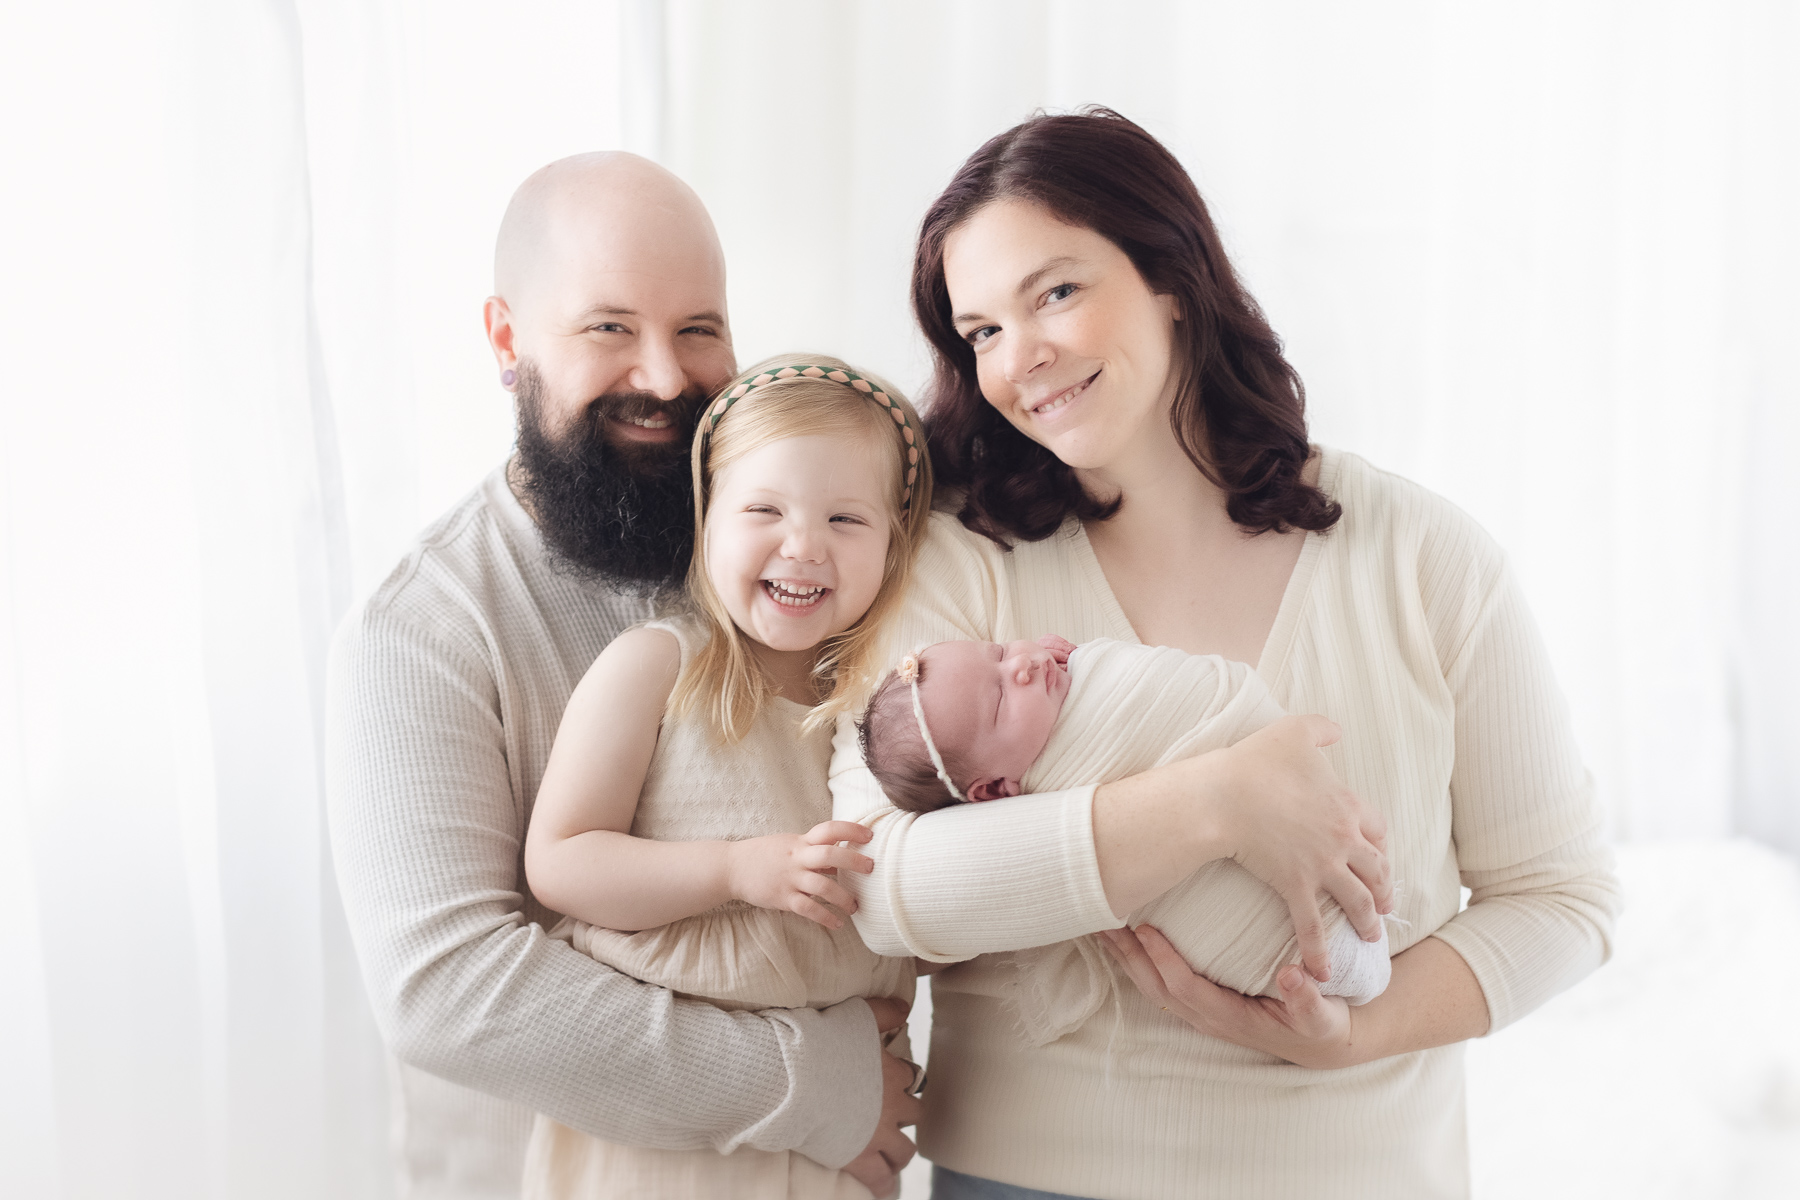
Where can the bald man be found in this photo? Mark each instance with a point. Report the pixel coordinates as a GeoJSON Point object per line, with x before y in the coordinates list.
{"type": "Point", "coordinates": [608, 324]}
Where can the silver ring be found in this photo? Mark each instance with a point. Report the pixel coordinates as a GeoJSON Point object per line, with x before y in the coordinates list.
{"type": "Point", "coordinates": [917, 1086]}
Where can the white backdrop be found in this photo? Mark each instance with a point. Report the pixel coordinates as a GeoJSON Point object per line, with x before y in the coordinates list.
{"type": "Point", "coordinates": [1538, 256]}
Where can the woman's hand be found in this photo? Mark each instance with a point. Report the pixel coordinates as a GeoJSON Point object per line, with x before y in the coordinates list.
{"type": "Point", "coordinates": [793, 872]}
{"type": "Point", "coordinates": [1303, 1027]}
{"type": "Point", "coordinates": [1289, 820]}
{"type": "Point", "coordinates": [1272, 803]}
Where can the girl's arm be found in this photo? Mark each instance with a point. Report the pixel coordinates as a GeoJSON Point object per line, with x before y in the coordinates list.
{"type": "Point", "coordinates": [580, 857]}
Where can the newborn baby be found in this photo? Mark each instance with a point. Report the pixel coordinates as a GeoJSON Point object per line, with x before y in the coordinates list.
{"type": "Point", "coordinates": [972, 721]}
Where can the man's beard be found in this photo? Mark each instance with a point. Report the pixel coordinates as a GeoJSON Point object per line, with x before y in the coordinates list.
{"type": "Point", "coordinates": [623, 514]}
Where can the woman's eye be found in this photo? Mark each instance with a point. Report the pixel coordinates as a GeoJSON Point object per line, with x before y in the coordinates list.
{"type": "Point", "coordinates": [1061, 291]}
{"type": "Point", "coordinates": [977, 336]}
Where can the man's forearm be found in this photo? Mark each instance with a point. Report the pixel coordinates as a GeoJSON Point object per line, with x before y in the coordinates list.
{"type": "Point", "coordinates": [534, 1021]}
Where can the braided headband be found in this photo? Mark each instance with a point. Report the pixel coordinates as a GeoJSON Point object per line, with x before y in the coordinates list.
{"type": "Point", "coordinates": [849, 379]}
{"type": "Point", "coordinates": [909, 672]}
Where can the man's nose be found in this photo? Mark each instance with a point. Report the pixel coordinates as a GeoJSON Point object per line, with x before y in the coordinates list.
{"type": "Point", "coordinates": [658, 370]}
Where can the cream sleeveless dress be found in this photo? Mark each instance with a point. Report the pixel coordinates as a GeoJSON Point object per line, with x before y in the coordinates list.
{"type": "Point", "coordinates": [736, 956]}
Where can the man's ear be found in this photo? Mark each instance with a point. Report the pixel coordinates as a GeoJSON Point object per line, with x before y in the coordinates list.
{"type": "Point", "coordinates": [497, 317]}
{"type": "Point", "coordinates": [993, 787]}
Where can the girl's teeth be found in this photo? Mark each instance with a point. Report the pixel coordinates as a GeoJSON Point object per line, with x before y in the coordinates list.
{"type": "Point", "coordinates": [793, 595]}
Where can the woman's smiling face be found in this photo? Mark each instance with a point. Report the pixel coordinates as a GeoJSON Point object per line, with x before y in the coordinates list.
{"type": "Point", "coordinates": [1071, 345]}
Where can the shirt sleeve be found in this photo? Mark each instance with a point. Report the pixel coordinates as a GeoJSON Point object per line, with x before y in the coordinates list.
{"type": "Point", "coordinates": [427, 839]}
{"type": "Point", "coordinates": [1529, 833]}
{"type": "Point", "coordinates": [972, 878]}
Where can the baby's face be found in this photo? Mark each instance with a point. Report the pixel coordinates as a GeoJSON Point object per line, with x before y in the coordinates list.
{"type": "Point", "coordinates": [991, 707]}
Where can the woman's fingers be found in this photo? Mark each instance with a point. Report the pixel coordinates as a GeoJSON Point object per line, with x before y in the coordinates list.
{"type": "Point", "coordinates": [1357, 901]}
{"type": "Point", "coordinates": [1303, 1000]}
{"type": "Point", "coordinates": [1309, 930]}
{"type": "Point", "coordinates": [1369, 863]}
{"type": "Point", "coordinates": [1181, 980]}
{"type": "Point", "coordinates": [1319, 731]}
{"type": "Point", "coordinates": [1129, 954]}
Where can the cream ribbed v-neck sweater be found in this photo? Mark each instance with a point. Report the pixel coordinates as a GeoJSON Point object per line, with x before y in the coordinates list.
{"type": "Point", "coordinates": [1404, 625]}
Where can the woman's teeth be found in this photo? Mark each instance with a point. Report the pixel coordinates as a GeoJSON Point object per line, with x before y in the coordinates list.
{"type": "Point", "coordinates": [794, 595]}
{"type": "Point", "coordinates": [649, 422]}
{"type": "Point", "coordinates": [1062, 398]}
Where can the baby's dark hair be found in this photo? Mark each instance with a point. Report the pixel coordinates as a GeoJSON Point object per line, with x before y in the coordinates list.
{"type": "Point", "coordinates": [896, 753]}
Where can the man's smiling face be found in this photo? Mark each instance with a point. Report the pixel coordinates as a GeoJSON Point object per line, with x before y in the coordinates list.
{"type": "Point", "coordinates": [610, 312]}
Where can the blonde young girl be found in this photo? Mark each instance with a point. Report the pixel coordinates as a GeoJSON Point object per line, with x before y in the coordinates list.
{"type": "Point", "coordinates": [683, 823]}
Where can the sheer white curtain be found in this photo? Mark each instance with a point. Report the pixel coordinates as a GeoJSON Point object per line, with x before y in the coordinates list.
{"type": "Point", "coordinates": [1538, 257]}
{"type": "Point", "coordinates": [245, 250]}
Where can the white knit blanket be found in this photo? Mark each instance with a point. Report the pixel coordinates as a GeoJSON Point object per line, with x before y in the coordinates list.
{"type": "Point", "coordinates": [1131, 708]}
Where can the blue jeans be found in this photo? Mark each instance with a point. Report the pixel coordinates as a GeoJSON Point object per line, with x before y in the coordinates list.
{"type": "Point", "coordinates": [954, 1185]}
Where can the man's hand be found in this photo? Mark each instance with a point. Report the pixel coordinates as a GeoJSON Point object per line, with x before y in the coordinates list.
{"type": "Point", "coordinates": [793, 872]}
{"type": "Point", "coordinates": [878, 1166]}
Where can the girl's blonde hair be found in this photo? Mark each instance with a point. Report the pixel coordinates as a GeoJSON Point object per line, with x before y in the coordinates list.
{"type": "Point", "coordinates": [723, 679]}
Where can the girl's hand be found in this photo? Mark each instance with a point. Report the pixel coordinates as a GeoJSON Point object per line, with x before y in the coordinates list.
{"type": "Point", "coordinates": [793, 872]}
{"type": "Point", "coordinates": [1303, 1027]}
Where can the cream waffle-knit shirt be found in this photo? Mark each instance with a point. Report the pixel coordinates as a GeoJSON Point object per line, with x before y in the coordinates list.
{"type": "Point", "coordinates": [445, 690]}
{"type": "Point", "coordinates": [1404, 625]}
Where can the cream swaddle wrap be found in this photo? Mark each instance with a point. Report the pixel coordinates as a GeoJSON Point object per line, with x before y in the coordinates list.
{"type": "Point", "coordinates": [1130, 708]}
{"type": "Point", "coordinates": [737, 956]}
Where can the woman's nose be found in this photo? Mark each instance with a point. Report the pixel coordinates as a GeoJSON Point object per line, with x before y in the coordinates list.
{"type": "Point", "coordinates": [1025, 352]}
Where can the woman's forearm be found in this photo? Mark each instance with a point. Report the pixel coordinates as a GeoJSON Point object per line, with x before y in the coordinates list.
{"type": "Point", "coordinates": [1432, 1000]}
{"type": "Point", "coordinates": [1148, 836]}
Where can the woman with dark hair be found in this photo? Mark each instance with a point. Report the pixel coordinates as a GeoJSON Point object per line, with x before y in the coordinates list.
{"type": "Point", "coordinates": [1127, 453]}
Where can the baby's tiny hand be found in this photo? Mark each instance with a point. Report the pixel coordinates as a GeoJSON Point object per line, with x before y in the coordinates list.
{"type": "Point", "coordinates": [1060, 647]}
{"type": "Point", "coordinates": [793, 872]}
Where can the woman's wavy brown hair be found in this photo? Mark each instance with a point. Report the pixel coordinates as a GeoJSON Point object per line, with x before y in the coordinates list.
{"type": "Point", "coordinates": [1240, 410]}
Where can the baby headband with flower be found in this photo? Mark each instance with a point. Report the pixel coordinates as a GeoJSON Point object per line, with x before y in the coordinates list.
{"type": "Point", "coordinates": [849, 379]}
{"type": "Point", "coordinates": [909, 673]}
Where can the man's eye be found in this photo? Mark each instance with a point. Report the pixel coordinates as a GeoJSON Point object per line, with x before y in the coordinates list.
{"type": "Point", "coordinates": [1061, 291]}
{"type": "Point", "coordinates": [977, 336]}
{"type": "Point", "coordinates": [607, 327]}
{"type": "Point", "coordinates": [702, 330]}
